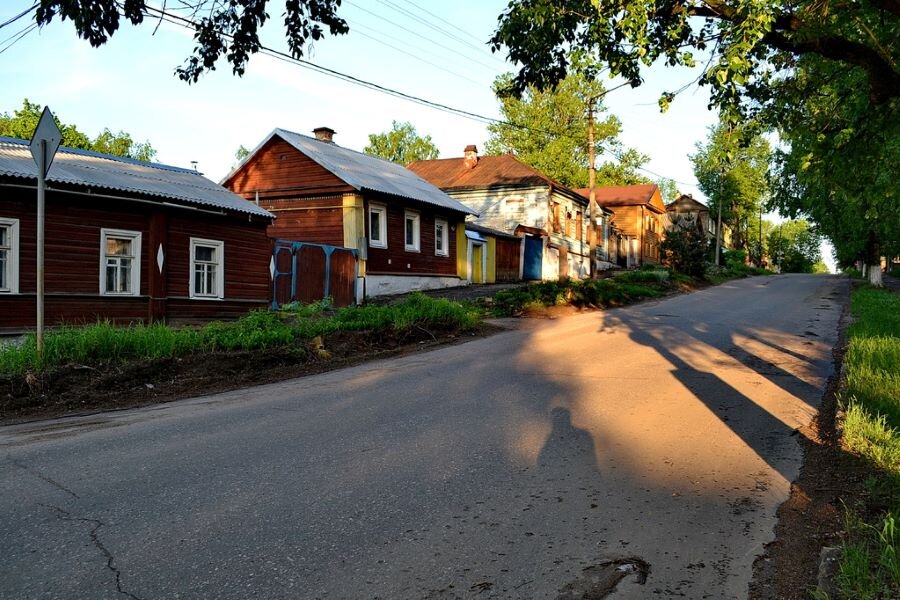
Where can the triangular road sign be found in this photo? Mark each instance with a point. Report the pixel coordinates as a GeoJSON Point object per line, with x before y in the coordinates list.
{"type": "Point", "coordinates": [46, 130]}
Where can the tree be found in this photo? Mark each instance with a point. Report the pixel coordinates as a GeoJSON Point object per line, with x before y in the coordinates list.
{"type": "Point", "coordinates": [732, 168]}
{"type": "Point", "coordinates": [837, 168]}
{"type": "Point", "coordinates": [402, 145]}
{"type": "Point", "coordinates": [686, 247]}
{"type": "Point", "coordinates": [227, 29]}
{"type": "Point", "coordinates": [794, 245]}
{"type": "Point", "coordinates": [751, 43]}
{"type": "Point", "coordinates": [549, 131]}
{"type": "Point", "coordinates": [22, 123]}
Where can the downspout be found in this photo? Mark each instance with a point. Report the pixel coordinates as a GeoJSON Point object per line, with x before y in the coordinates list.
{"type": "Point", "coordinates": [641, 247]}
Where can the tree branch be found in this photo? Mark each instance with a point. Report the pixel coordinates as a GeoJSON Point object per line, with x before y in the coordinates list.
{"type": "Point", "coordinates": [884, 81]}
{"type": "Point", "coordinates": [892, 6]}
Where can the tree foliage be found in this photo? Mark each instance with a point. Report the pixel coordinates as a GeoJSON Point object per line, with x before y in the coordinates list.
{"type": "Point", "coordinates": [222, 28]}
{"type": "Point", "coordinates": [794, 246]}
{"type": "Point", "coordinates": [839, 165]}
{"type": "Point", "coordinates": [402, 145]}
{"type": "Point", "coordinates": [686, 247]}
{"type": "Point", "coordinates": [732, 169]}
{"type": "Point", "coordinates": [22, 123]}
{"type": "Point", "coordinates": [549, 131]}
{"type": "Point", "coordinates": [751, 42]}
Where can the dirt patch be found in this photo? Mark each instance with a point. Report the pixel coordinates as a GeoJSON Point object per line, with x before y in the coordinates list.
{"type": "Point", "coordinates": [811, 518]}
{"type": "Point", "coordinates": [80, 389]}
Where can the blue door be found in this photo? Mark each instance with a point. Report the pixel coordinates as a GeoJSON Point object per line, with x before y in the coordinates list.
{"type": "Point", "coordinates": [534, 251]}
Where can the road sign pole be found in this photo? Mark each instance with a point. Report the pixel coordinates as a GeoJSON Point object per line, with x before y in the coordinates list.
{"type": "Point", "coordinates": [42, 170]}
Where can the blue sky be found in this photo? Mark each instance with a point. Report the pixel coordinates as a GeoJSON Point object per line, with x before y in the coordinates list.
{"type": "Point", "coordinates": [129, 85]}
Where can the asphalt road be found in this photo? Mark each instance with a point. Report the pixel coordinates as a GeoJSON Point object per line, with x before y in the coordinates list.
{"type": "Point", "coordinates": [534, 463]}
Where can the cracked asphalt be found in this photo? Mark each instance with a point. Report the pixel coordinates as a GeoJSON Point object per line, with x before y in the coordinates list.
{"type": "Point", "coordinates": [641, 452]}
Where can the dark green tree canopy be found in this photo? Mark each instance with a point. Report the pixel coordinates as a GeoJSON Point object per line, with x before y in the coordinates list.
{"type": "Point", "coordinates": [794, 245]}
{"type": "Point", "coordinates": [549, 131]}
{"type": "Point", "coordinates": [222, 28]}
{"type": "Point", "coordinates": [402, 145]}
{"type": "Point", "coordinates": [22, 123]}
{"type": "Point", "coordinates": [751, 41]}
{"type": "Point", "coordinates": [732, 170]}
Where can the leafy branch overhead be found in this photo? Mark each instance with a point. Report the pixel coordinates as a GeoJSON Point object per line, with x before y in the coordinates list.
{"type": "Point", "coordinates": [222, 28]}
{"type": "Point", "coordinates": [751, 42]}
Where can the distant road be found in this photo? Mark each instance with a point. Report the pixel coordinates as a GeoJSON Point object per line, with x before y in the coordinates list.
{"type": "Point", "coordinates": [532, 464]}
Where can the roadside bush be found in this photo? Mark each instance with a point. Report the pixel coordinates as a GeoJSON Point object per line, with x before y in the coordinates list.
{"type": "Point", "coordinates": [652, 275]}
{"type": "Point", "coordinates": [685, 249]}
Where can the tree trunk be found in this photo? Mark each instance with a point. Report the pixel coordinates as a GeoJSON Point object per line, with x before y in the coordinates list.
{"type": "Point", "coordinates": [873, 260]}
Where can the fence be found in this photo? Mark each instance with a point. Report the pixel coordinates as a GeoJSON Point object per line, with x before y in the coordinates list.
{"type": "Point", "coordinates": [305, 272]}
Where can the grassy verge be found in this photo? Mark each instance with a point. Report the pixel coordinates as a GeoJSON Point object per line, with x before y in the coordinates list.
{"type": "Point", "coordinates": [618, 290]}
{"type": "Point", "coordinates": [870, 567]}
{"type": "Point", "coordinates": [104, 343]}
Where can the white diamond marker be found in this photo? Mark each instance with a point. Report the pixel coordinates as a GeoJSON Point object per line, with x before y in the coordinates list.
{"type": "Point", "coordinates": [160, 258]}
{"type": "Point", "coordinates": [272, 268]}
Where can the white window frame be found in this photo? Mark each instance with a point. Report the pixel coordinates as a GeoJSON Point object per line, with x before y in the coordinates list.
{"type": "Point", "coordinates": [416, 246]}
{"type": "Point", "coordinates": [381, 210]}
{"type": "Point", "coordinates": [219, 246]}
{"type": "Point", "coordinates": [12, 260]}
{"type": "Point", "coordinates": [135, 237]}
{"type": "Point", "coordinates": [444, 249]}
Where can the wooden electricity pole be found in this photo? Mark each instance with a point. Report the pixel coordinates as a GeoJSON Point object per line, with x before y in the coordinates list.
{"type": "Point", "coordinates": [592, 200]}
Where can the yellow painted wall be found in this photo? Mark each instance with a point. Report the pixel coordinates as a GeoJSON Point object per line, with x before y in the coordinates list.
{"type": "Point", "coordinates": [462, 267]}
{"type": "Point", "coordinates": [354, 225]}
{"type": "Point", "coordinates": [491, 275]}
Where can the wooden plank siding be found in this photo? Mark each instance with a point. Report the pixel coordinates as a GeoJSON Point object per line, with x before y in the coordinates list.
{"type": "Point", "coordinates": [395, 259]}
{"type": "Point", "coordinates": [509, 255]}
{"type": "Point", "coordinates": [279, 170]}
{"type": "Point", "coordinates": [317, 219]}
{"type": "Point", "coordinates": [72, 260]}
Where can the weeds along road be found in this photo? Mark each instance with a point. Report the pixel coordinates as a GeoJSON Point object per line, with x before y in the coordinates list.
{"type": "Point", "coordinates": [644, 449]}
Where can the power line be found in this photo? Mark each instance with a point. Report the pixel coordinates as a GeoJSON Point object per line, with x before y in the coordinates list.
{"type": "Point", "coordinates": [456, 27]}
{"type": "Point", "coordinates": [412, 56]}
{"type": "Point", "coordinates": [434, 27]}
{"type": "Point", "coordinates": [19, 16]}
{"type": "Point", "coordinates": [21, 34]}
{"type": "Point", "coordinates": [285, 57]}
{"type": "Point", "coordinates": [419, 35]}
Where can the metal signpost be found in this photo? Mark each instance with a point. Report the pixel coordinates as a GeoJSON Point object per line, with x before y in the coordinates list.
{"type": "Point", "coordinates": [44, 144]}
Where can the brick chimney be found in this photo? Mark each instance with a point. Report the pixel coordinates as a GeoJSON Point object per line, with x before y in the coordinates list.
{"type": "Point", "coordinates": [470, 156]}
{"type": "Point", "coordinates": [324, 134]}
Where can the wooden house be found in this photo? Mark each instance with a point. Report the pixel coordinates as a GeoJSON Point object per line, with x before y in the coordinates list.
{"type": "Point", "coordinates": [639, 216]}
{"type": "Point", "coordinates": [686, 211]}
{"type": "Point", "coordinates": [513, 197]}
{"type": "Point", "coordinates": [127, 241]}
{"type": "Point", "coordinates": [492, 256]}
{"type": "Point", "coordinates": [406, 232]}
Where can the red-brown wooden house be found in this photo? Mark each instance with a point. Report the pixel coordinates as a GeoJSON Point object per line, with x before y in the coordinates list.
{"type": "Point", "coordinates": [406, 231]}
{"type": "Point", "coordinates": [127, 241]}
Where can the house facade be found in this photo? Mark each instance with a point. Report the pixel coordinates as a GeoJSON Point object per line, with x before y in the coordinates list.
{"type": "Point", "coordinates": [639, 217]}
{"type": "Point", "coordinates": [685, 210]}
{"type": "Point", "coordinates": [126, 241]}
{"type": "Point", "coordinates": [407, 233]}
{"type": "Point", "coordinates": [517, 199]}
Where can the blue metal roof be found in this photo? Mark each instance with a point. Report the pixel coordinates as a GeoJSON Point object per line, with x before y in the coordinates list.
{"type": "Point", "coordinates": [105, 171]}
{"type": "Point", "coordinates": [363, 171]}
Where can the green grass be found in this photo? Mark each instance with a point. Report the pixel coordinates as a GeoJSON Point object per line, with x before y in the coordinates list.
{"type": "Point", "coordinates": [104, 343]}
{"type": "Point", "coordinates": [870, 567]}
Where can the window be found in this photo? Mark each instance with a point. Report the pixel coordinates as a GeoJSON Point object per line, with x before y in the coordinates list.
{"type": "Point", "coordinates": [120, 262]}
{"type": "Point", "coordinates": [441, 238]}
{"type": "Point", "coordinates": [411, 229]}
{"type": "Point", "coordinates": [556, 224]}
{"type": "Point", "coordinates": [9, 256]}
{"type": "Point", "coordinates": [207, 269]}
{"type": "Point", "coordinates": [579, 226]}
{"type": "Point", "coordinates": [378, 226]}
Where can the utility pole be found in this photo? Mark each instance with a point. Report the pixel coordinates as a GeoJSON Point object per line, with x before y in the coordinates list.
{"type": "Point", "coordinates": [592, 200]}
{"type": "Point", "coordinates": [719, 200]}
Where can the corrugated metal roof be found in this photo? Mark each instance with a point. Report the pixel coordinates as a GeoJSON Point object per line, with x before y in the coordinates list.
{"type": "Point", "coordinates": [364, 172]}
{"type": "Point", "coordinates": [103, 171]}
